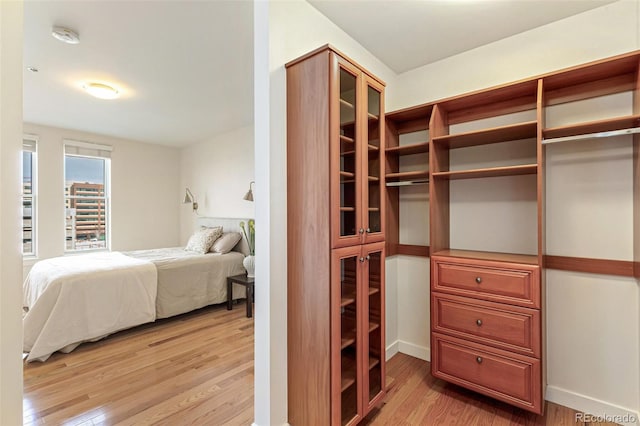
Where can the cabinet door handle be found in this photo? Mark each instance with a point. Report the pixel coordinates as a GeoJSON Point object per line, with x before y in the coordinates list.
{"type": "Point", "coordinates": [361, 230]}
{"type": "Point", "coordinates": [479, 360]}
{"type": "Point", "coordinates": [362, 259]}
{"type": "Point", "coordinates": [368, 257]}
{"type": "Point", "coordinates": [479, 322]}
{"type": "Point", "coordinates": [368, 230]}
{"type": "Point", "coordinates": [478, 280]}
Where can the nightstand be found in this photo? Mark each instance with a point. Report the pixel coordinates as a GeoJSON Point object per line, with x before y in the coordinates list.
{"type": "Point", "coordinates": [248, 283]}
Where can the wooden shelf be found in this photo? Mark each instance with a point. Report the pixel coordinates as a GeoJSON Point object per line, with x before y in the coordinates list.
{"type": "Point", "coordinates": [374, 209]}
{"type": "Point", "coordinates": [348, 372]}
{"type": "Point", "coordinates": [418, 148]}
{"type": "Point", "coordinates": [374, 179]}
{"type": "Point", "coordinates": [489, 255]}
{"type": "Point", "coordinates": [345, 103]}
{"type": "Point", "coordinates": [373, 326]}
{"type": "Point", "coordinates": [348, 338]}
{"type": "Point", "coordinates": [373, 290]}
{"type": "Point", "coordinates": [347, 209]}
{"type": "Point", "coordinates": [512, 132]}
{"type": "Point", "coordinates": [527, 169]}
{"type": "Point", "coordinates": [395, 177]}
{"type": "Point", "coordinates": [347, 174]}
{"type": "Point", "coordinates": [346, 139]}
{"type": "Point", "coordinates": [347, 300]}
{"type": "Point", "coordinates": [372, 117]}
{"type": "Point", "coordinates": [373, 147]}
{"type": "Point", "coordinates": [373, 362]}
{"type": "Point", "coordinates": [608, 125]}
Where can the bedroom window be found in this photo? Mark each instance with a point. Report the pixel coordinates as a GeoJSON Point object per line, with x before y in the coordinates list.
{"type": "Point", "coordinates": [87, 196]}
{"type": "Point", "coordinates": [29, 196]}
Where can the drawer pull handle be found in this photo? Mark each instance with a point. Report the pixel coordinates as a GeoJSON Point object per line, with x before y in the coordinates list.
{"type": "Point", "coordinates": [478, 280]}
{"type": "Point", "coordinates": [479, 360]}
{"type": "Point", "coordinates": [368, 230]}
{"type": "Point", "coordinates": [479, 322]}
{"type": "Point", "coordinates": [362, 259]}
{"type": "Point", "coordinates": [361, 230]}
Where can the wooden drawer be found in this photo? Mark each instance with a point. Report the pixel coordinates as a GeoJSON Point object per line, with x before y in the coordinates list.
{"type": "Point", "coordinates": [516, 284]}
{"type": "Point", "coordinates": [515, 379]}
{"type": "Point", "coordinates": [504, 326]}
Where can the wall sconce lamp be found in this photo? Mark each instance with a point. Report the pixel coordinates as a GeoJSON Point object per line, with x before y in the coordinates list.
{"type": "Point", "coordinates": [249, 195]}
{"type": "Point", "coordinates": [190, 199]}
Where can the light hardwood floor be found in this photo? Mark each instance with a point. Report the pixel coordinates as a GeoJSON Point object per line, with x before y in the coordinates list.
{"type": "Point", "coordinates": [197, 369]}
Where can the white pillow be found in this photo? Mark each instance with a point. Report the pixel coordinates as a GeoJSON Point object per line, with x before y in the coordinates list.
{"type": "Point", "coordinates": [202, 240]}
{"type": "Point", "coordinates": [226, 242]}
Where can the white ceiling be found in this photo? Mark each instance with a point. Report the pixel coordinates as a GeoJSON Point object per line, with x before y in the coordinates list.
{"type": "Point", "coordinates": [406, 34]}
{"type": "Point", "coordinates": [185, 68]}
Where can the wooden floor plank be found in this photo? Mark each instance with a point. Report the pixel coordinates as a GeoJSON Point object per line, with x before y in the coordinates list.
{"type": "Point", "coordinates": [197, 369]}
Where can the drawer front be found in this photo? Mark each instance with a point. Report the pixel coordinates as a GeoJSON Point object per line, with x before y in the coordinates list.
{"type": "Point", "coordinates": [511, 378]}
{"type": "Point", "coordinates": [499, 282]}
{"type": "Point", "coordinates": [507, 327]}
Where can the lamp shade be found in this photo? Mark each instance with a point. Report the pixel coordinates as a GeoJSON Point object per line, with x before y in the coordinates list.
{"type": "Point", "coordinates": [249, 195]}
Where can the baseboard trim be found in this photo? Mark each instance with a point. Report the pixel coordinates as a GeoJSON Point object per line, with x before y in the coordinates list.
{"type": "Point", "coordinates": [256, 424]}
{"type": "Point", "coordinates": [420, 352]}
{"type": "Point", "coordinates": [592, 406]}
{"type": "Point", "coordinates": [392, 349]}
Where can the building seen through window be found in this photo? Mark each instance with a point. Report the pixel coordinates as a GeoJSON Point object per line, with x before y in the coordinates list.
{"type": "Point", "coordinates": [86, 203]}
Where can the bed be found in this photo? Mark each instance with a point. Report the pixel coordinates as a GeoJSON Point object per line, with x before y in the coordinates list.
{"type": "Point", "coordinates": [73, 299]}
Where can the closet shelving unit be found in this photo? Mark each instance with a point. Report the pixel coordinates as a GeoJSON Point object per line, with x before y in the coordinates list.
{"type": "Point", "coordinates": [413, 121]}
{"type": "Point", "coordinates": [476, 295]}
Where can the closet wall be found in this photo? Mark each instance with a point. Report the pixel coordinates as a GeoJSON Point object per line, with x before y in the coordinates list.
{"type": "Point", "coordinates": [593, 321]}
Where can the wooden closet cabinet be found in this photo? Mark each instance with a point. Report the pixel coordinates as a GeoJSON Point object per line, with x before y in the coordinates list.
{"type": "Point", "coordinates": [335, 239]}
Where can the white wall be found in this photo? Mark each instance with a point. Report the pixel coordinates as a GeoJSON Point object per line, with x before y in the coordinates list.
{"type": "Point", "coordinates": [218, 172]}
{"type": "Point", "coordinates": [291, 29]}
{"type": "Point", "coordinates": [11, 18]}
{"type": "Point", "coordinates": [145, 196]}
{"type": "Point", "coordinates": [593, 353]}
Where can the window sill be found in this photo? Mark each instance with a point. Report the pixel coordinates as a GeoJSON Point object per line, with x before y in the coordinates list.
{"type": "Point", "coordinates": [29, 260]}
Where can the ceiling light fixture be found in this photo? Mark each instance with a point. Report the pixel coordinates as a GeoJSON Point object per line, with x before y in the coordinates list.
{"type": "Point", "coordinates": [102, 91]}
{"type": "Point", "coordinates": [65, 35]}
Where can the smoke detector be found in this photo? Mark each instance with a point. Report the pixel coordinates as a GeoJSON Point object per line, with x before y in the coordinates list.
{"type": "Point", "coordinates": [65, 35]}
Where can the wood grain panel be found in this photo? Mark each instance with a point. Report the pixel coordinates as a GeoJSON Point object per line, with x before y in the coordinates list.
{"type": "Point", "coordinates": [542, 226]}
{"type": "Point", "coordinates": [511, 132]}
{"type": "Point", "coordinates": [307, 209]}
{"type": "Point", "coordinates": [438, 190]}
{"type": "Point", "coordinates": [636, 180]}
{"type": "Point", "coordinates": [392, 195]}
{"type": "Point", "coordinates": [503, 375]}
{"type": "Point", "coordinates": [592, 266]}
{"type": "Point", "coordinates": [502, 326]}
{"type": "Point", "coordinates": [515, 284]}
{"type": "Point", "coordinates": [412, 250]}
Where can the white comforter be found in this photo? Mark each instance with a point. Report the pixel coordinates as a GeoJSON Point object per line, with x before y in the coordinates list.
{"type": "Point", "coordinates": [71, 301]}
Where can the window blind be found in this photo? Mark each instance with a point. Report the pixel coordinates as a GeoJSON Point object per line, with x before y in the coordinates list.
{"type": "Point", "coordinates": [87, 149]}
{"type": "Point", "coordinates": [29, 145]}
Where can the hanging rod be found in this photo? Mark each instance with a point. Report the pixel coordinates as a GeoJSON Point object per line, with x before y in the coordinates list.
{"type": "Point", "coordinates": [594, 135]}
{"type": "Point", "coordinates": [408, 182]}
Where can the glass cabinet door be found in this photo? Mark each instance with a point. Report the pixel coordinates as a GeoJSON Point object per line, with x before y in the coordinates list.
{"type": "Point", "coordinates": [373, 162]}
{"type": "Point", "coordinates": [346, 309]}
{"type": "Point", "coordinates": [346, 167]}
{"type": "Point", "coordinates": [374, 338]}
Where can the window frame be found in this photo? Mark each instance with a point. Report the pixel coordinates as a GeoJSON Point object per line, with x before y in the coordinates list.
{"type": "Point", "coordinates": [106, 197]}
{"type": "Point", "coordinates": [33, 254]}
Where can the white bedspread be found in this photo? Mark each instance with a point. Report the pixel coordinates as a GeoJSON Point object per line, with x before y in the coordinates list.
{"type": "Point", "coordinates": [74, 299]}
